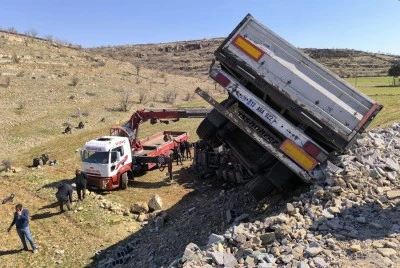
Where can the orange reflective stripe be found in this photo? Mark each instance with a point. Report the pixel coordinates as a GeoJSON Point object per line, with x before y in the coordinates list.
{"type": "Point", "coordinates": [298, 155]}
{"type": "Point", "coordinates": [247, 47]}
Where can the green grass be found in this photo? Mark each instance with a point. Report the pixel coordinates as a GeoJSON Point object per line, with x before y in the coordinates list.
{"type": "Point", "coordinates": [380, 89]}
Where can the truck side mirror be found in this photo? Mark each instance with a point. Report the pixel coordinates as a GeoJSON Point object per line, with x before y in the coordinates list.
{"type": "Point", "coordinates": [118, 155]}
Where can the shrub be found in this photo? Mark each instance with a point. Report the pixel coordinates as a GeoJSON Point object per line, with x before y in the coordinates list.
{"type": "Point", "coordinates": [8, 81]}
{"type": "Point", "coordinates": [74, 81]}
{"type": "Point", "coordinates": [169, 96]}
{"type": "Point", "coordinates": [124, 102]}
{"type": "Point", "coordinates": [21, 105]}
{"type": "Point", "coordinates": [15, 58]}
{"type": "Point", "coordinates": [7, 163]}
{"type": "Point", "coordinates": [189, 96]}
{"type": "Point", "coordinates": [32, 33]}
{"type": "Point", "coordinates": [143, 96]}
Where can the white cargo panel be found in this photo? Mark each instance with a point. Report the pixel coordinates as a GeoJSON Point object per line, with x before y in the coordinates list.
{"type": "Point", "coordinates": [317, 90]}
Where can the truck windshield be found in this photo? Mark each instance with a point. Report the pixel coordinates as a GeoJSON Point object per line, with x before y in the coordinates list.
{"type": "Point", "coordinates": [95, 157]}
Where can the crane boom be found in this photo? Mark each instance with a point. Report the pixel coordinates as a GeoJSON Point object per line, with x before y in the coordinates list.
{"type": "Point", "coordinates": [131, 128]}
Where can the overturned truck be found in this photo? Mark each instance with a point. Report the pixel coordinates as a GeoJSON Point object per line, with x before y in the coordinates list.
{"type": "Point", "coordinates": [284, 115]}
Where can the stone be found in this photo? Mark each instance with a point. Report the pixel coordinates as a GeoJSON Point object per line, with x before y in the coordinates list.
{"type": "Point", "coordinates": [320, 262]}
{"type": "Point", "coordinates": [155, 203]}
{"type": "Point", "coordinates": [355, 248]}
{"type": "Point", "coordinates": [142, 217]}
{"type": "Point", "coordinates": [213, 238]}
{"type": "Point", "coordinates": [386, 252]}
{"type": "Point", "coordinates": [313, 251]}
{"type": "Point", "coordinates": [229, 260]}
{"type": "Point", "coordinates": [249, 261]}
{"type": "Point", "coordinates": [377, 244]}
{"type": "Point", "coordinates": [393, 194]}
{"type": "Point", "coordinates": [275, 251]}
{"type": "Point", "coordinates": [361, 220]}
{"type": "Point", "coordinates": [290, 208]}
{"type": "Point", "coordinates": [334, 210]}
{"type": "Point", "coordinates": [327, 214]}
{"type": "Point", "coordinates": [376, 225]}
{"type": "Point", "coordinates": [286, 258]}
{"type": "Point", "coordinates": [218, 257]}
{"type": "Point", "coordinates": [336, 189]}
{"type": "Point", "coordinates": [190, 251]}
{"type": "Point", "coordinates": [390, 245]}
{"type": "Point", "coordinates": [392, 164]}
{"type": "Point", "coordinates": [268, 238]}
{"type": "Point", "coordinates": [139, 207]}
{"type": "Point", "coordinates": [303, 264]}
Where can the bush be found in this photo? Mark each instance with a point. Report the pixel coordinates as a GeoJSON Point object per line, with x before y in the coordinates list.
{"type": "Point", "coordinates": [8, 81]}
{"type": "Point", "coordinates": [189, 96]}
{"type": "Point", "coordinates": [74, 81]}
{"type": "Point", "coordinates": [7, 163]}
{"type": "Point", "coordinates": [15, 58]}
{"type": "Point", "coordinates": [143, 96]}
{"type": "Point", "coordinates": [169, 96]}
{"type": "Point", "coordinates": [125, 99]}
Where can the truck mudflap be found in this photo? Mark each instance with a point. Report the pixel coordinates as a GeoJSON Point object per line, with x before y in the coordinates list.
{"type": "Point", "coordinates": [257, 132]}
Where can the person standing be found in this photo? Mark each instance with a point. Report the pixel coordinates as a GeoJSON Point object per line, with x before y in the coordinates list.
{"type": "Point", "coordinates": [64, 196]}
{"type": "Point", "coordinates": [21, 221]}
{"type": "Point", "coordinates": [80, 181]}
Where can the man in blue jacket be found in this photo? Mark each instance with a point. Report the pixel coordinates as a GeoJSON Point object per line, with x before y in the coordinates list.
{"type": "Point", "coordinates": [21, 220]}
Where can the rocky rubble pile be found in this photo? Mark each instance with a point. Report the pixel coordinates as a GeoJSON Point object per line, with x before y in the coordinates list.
{"type": "Point", "coordinates": [349, 218]}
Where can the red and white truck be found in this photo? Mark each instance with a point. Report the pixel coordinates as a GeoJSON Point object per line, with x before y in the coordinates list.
{"type": "Point", "coordinates": [110, 161]}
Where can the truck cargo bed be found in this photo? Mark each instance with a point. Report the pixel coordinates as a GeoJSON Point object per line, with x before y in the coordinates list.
{"type": "Point", "coordinates": [310, 92]}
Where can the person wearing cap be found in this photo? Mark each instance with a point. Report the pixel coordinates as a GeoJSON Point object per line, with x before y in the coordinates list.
{"type": "Point", "coordinates": [80, 181]}
{"type": "Point", "coordinates": [64, 196]}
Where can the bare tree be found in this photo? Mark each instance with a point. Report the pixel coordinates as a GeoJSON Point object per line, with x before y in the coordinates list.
{"type": "Point", "coordinates": [12, 30]}
{"type": "Point", "coordinates": [125, 99]}
{"type": "Point", "coordinates": [15, 58]}
{"type": "Point", "coordinates": [169, 96]}
{"type": "Point", "coordinates": [49, 37]}
{"type": "Point", "coordinates": [137, 66]}
{"type": "Point", "coordinates": [144, 96]}
{"type": "Point", "coordinates": [31, 32]}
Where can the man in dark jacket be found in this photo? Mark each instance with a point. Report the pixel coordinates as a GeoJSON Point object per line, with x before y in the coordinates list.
{"type": "Point", "coordinates": [21, 220]}
{"type": "Point", "coordinates": [64, 196]}
{"type": "Point", "coordinates": [80, 181]}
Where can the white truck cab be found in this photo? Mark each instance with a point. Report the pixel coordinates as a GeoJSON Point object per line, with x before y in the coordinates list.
{"type": "Point", "coordinates": [107, 160]}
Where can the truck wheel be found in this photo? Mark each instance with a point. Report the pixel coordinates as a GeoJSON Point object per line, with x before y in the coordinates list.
{"type": "Point", "coordinates": [260, 187]}
{"type": "Point", "coordinates": [208, 127]}
{"type": "Point", "coordinates": [124, 181]}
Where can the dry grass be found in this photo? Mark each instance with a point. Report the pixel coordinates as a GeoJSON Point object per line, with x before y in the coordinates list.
{"type": "Point", "coordinates": [35, 106]}
{"type": "Point", "coordinates": [40, 80]}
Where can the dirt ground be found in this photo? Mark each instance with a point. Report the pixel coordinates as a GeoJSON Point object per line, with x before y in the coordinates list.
{"type": "Point", "coordinates": [73, 238]}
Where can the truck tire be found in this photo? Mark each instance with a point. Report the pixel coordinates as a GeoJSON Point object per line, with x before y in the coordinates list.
{"type": "Point", "coordinates": [214, 120]}
{"type": "Point", "coordinates": [37, 162]}
{"type": "Point", "coordinates": [260, 187]}
{"type": "Point", "coordinates": [124, 181]}
{"type": "Point", "coordinates": [206, 129]}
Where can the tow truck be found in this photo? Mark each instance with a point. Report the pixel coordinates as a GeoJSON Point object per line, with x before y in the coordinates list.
{"type": "Point", "coordinates": [109, 162]}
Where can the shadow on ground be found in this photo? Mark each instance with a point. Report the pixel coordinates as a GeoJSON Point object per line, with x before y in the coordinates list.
{"type": "Point", "coordinates": [197, 215]}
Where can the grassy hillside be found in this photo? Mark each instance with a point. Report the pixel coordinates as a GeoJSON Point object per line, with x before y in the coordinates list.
{"type": "Point", "coordinates": [192, 58]}
{"type": "Point", "coordinates": [45, 85]}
